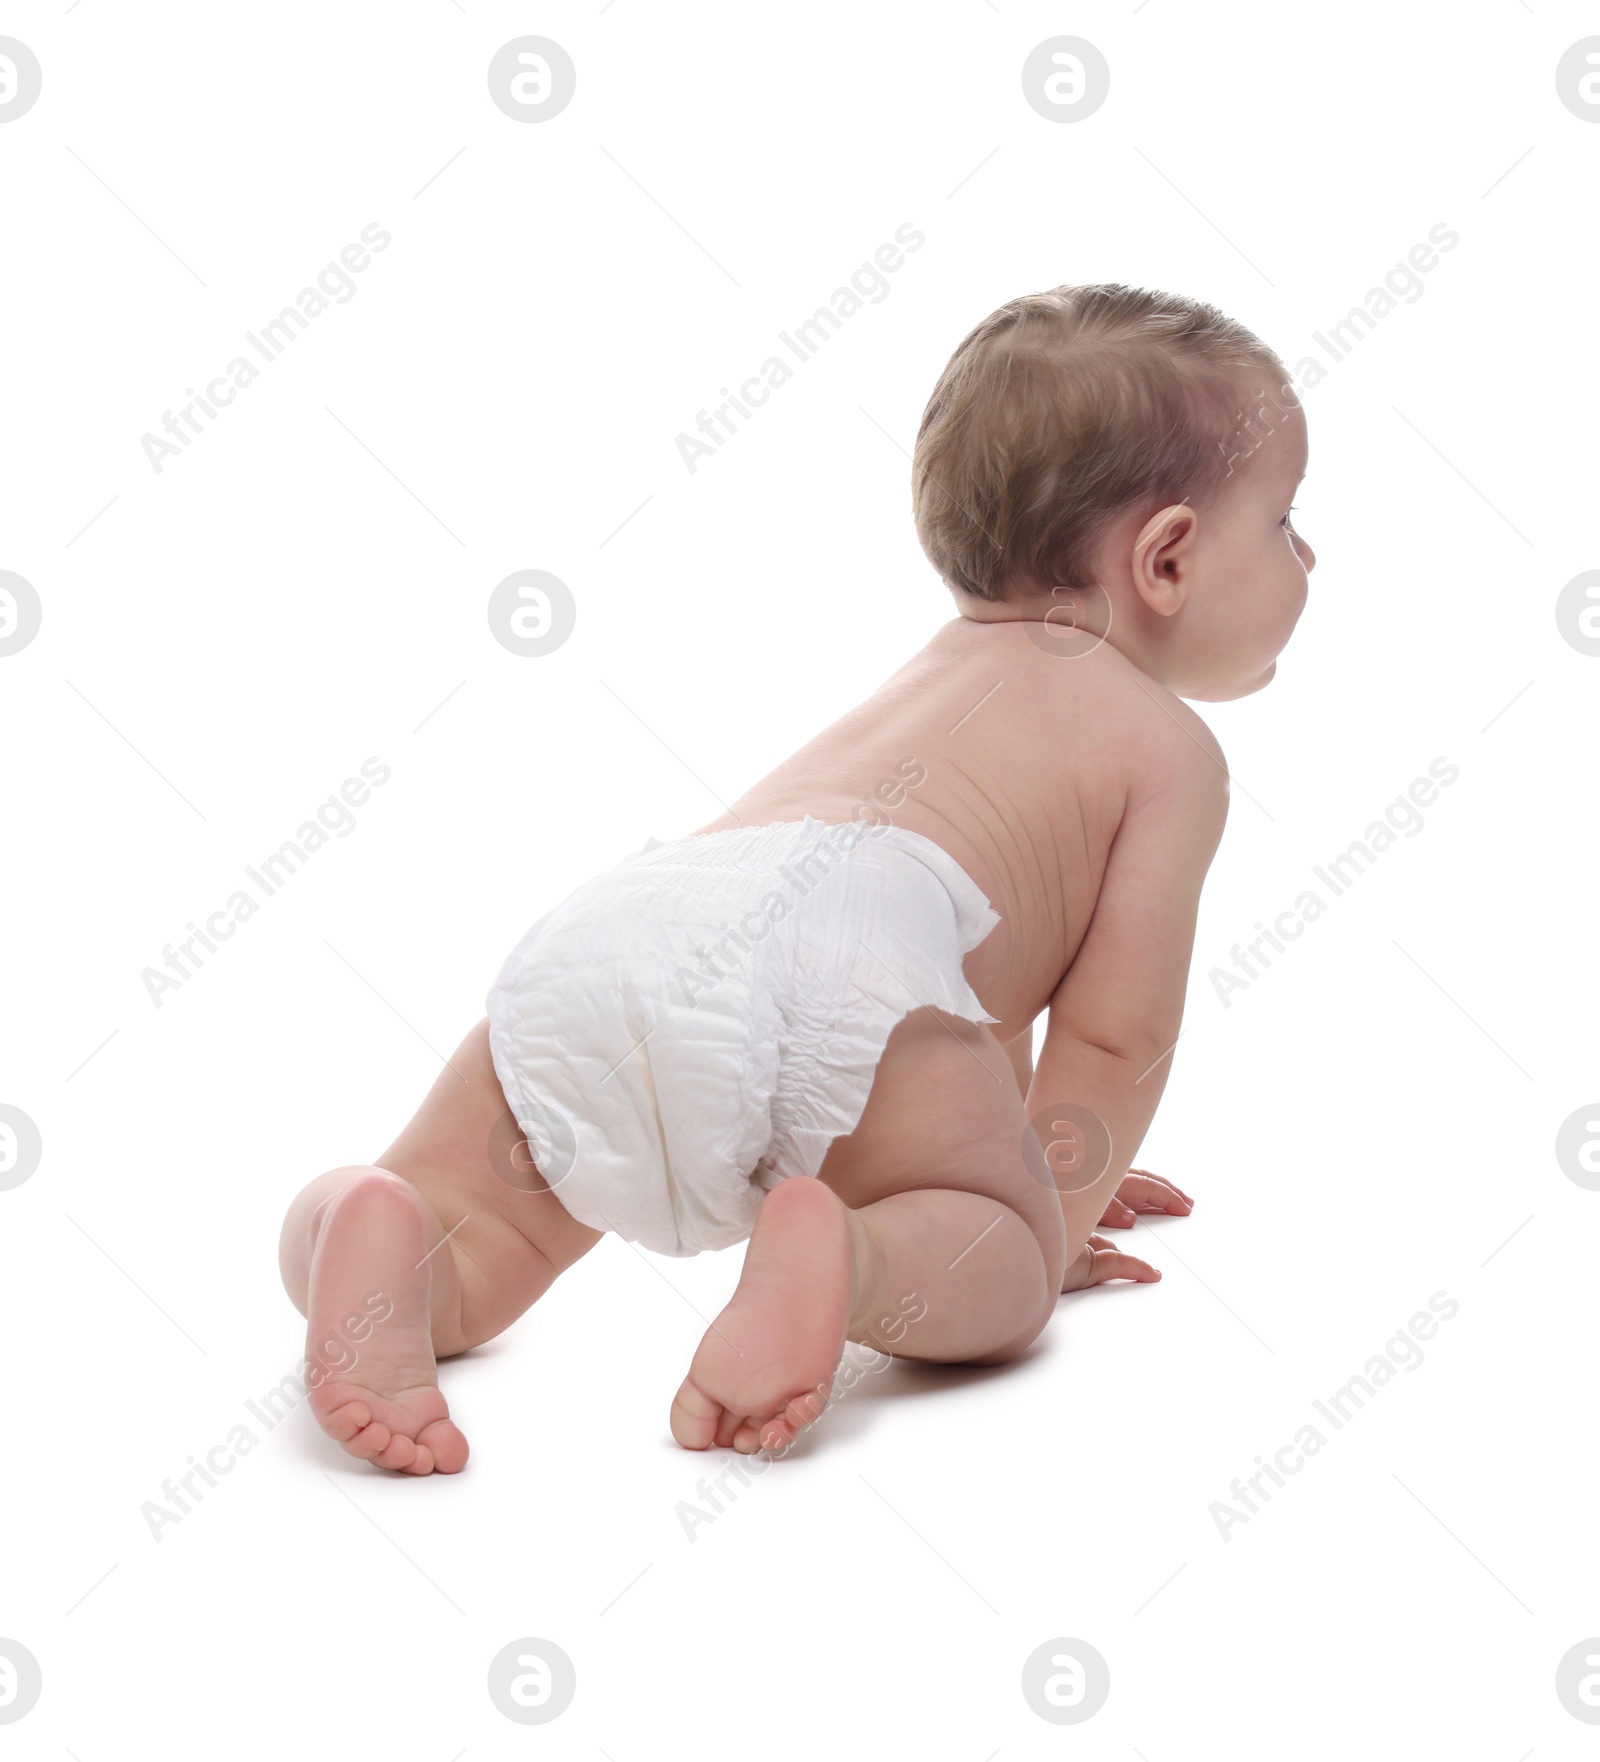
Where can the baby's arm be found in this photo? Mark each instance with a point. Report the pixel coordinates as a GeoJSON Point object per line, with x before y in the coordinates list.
{"type": "Point", "coordinates": [1020, 1053]}
{"type": "Point", "coordinates": [1117, 1013]}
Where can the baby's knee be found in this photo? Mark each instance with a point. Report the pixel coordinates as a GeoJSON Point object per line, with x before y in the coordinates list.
{"type": "Point", "coordinates": [310, 1205]}
{"type": "Point", "coordinates": [1033, 1292]}
{"type": "Point", "coordinates": [1049, 1228]}
{"type": "Point", "coordinates": [298, 1239]}
{"type": "Point", "coordinates": [1038, 1317]}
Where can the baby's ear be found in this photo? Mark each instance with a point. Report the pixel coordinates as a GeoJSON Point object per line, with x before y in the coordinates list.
{"type": "Point", "coordinates": [1163, 558]}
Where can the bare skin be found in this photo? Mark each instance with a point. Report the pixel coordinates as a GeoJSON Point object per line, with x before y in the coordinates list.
{"type": "Point", "coordinates": [454, 1227]}
{"type": "Point", "coordinates": [454, 1230]}
{"type": "Point", "coordinates": [1086, 800]}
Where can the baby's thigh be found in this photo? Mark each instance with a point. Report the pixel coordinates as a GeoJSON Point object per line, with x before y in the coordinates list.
{"type": "Point", "coordinates": [465, 1153]}
{"type": "Point", "coordinates": [945, 1111]}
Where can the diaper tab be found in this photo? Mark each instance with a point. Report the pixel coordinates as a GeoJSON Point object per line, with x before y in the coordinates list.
{"type": "Point", "coordinates": [975, 917]}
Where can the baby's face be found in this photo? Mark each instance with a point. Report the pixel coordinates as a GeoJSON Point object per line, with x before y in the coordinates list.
{"type": "Point", "coordinates": [1249, 585]}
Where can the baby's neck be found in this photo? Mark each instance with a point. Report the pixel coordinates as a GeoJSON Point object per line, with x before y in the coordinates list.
{"type": "Point", "coordinates": [1071, 622]}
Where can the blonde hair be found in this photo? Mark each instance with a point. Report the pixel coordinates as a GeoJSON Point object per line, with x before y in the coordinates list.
{"type": "Point", "coordinates": [1062, 410]}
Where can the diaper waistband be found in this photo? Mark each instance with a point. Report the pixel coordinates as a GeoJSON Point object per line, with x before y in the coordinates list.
{"type": "Point", "coordinates": [975, 917]}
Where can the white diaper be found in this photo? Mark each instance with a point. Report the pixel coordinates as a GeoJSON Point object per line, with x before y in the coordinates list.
{"type": "Point", "coordinates": [702, 1020]}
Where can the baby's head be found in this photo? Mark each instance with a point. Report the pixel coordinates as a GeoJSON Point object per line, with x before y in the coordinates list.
{"type": "Point", "coordinates": [1123, 461]}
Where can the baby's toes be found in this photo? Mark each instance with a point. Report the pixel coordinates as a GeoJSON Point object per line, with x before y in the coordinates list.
{"type": "Point", "coordinates": [343, 1423]}
{"type": "Point", "coordinates": [400, 1452]}
{"type": "Point", "coordinates": [777, 1432]}
{"type": "Point", "coordinates": [695, 1417]}
{"type": "Point", "coordinates": [370, 1442]}
{"type": "Point", "coordinates": [781, 1430]}
{"type": "Point", "coordinates": [445, 1445]}
{"type": "Point", "coordinates": [805, 1410]}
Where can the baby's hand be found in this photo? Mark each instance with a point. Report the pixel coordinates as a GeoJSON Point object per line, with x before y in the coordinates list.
{"type": "Point", "coordinates": [1144, 1192]}
{"type": "Point", "coordinates": [1102, 1260]}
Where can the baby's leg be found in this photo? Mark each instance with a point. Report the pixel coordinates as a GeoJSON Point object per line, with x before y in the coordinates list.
{"type": "Point", "coordinates": [439, 1247]}
{"type": "Point", "coordinates": [926, 1235]}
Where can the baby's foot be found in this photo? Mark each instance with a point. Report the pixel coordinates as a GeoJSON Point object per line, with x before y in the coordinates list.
{"type": "Point", "coordinates": [765, 1366]}
{"type": "Point", "coordinates": [382, 1400]}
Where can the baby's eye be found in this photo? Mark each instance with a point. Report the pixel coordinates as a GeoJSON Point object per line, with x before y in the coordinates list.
{"type": "Point", "coordinates": [1285, 520]}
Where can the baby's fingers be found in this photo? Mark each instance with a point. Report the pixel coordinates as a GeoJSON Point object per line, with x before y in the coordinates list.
{"type": "Point", "coordinates": [1109, 1262]}
{"type": "Point", "coordinates": [1147, 1192]}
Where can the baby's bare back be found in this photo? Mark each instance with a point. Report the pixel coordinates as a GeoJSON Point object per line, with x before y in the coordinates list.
{"type": "Point", "coordinates": [1021, 763]}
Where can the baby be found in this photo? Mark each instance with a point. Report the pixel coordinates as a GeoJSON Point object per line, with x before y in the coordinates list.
{"type": "Point", "coordinates": [838, 978]}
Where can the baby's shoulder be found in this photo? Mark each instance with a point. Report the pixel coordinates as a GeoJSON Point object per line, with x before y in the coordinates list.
{"type": "Point", "coordinates": [1169, 756]}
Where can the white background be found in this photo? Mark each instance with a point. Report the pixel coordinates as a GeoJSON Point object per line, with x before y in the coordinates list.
{"type": "Point", "coordinates": [1372, 1122]}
